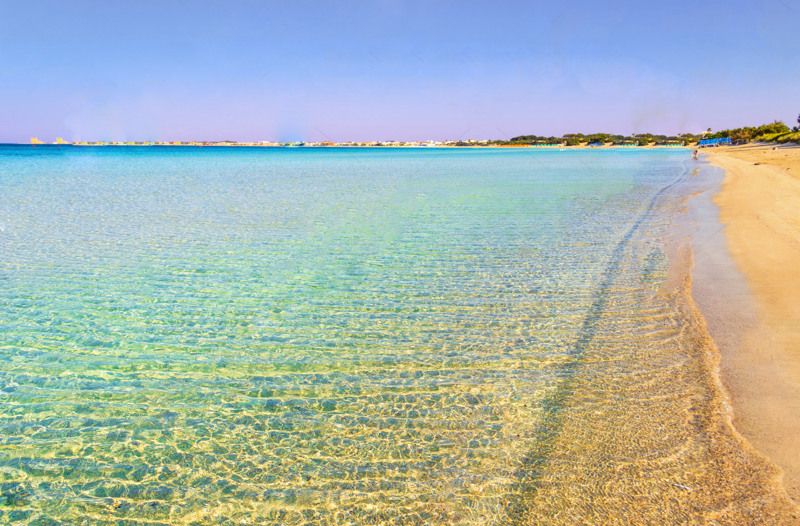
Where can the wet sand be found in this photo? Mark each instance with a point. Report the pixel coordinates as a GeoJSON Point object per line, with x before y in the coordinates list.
{"type": "Point", "coordinates": [640, 431]}
{"type": "Point", "coordinates": [759, 205]}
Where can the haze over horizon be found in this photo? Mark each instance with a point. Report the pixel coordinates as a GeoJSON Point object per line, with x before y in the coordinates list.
{"type": "Point", "coordinates": [391, 70]}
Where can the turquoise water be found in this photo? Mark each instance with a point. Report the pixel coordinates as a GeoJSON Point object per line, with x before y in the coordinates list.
{"type": "Point", "coordinates": [321, 336]}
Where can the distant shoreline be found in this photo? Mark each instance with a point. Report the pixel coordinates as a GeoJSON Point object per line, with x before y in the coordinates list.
{"type": "Point", "coordinates": [371, 146]}
{"type": "Point", "coordinates": [776, 132]}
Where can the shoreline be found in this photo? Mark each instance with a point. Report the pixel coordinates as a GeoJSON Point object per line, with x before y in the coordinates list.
{"type": "Point", "coordinates": [369, 146]}
{"type": "Point", "coordinates": [756, 324]}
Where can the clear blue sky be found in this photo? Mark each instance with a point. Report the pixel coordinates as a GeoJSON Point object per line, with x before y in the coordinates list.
{"type": "Point", "coordinates": [391, 69]}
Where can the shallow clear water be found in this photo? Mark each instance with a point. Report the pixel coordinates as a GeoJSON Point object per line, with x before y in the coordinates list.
{"type": "Point", "coordinates": [289, 336]}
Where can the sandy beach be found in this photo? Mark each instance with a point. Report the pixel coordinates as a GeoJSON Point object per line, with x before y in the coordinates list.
{"type": "Point", "coordinates": [759, 205]}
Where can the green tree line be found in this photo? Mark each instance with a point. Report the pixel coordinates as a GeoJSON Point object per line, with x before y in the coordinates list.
{"type": "Point", "coordinates": [750, 133]}
{"type": "Point", "coordinates": [775, 131]}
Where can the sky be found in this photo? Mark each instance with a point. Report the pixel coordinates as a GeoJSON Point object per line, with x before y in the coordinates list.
{"type": "Point", "coordinates": [392, 69]}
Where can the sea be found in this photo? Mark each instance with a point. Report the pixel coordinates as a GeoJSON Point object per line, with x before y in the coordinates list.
{"type": "Point", "coordinates": [232, 335]}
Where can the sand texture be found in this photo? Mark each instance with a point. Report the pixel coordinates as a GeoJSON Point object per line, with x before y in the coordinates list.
{"type": "Point", "coordinates": [760, 207]}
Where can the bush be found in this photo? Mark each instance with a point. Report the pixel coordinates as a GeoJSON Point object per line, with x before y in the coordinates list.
{"type": "Point", "coordinates": [773, 127]}
{"type": "Point", "coordinates": [748, 133]}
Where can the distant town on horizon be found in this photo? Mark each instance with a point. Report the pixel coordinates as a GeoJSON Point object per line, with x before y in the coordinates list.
{"type": "Point", "coordinates": [775, 131]}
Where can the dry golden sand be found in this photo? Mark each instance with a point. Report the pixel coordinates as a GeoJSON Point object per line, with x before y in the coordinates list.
{"type": "Point", "coordinates": [760, 207]}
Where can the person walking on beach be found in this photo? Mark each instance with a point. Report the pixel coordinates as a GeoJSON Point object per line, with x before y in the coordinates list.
{"type": "Point", "coordinates": [694, 154]}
